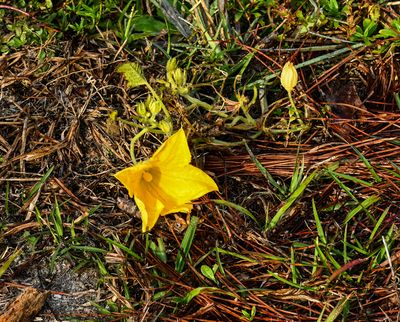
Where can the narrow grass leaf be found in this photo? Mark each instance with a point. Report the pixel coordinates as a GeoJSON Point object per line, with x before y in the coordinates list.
{"type": "Point", "coordinates": [321, 255]}
{"type": "Point", "coordinates": [377, 225]}
{"type": "Point", "coordinates": [297, 175]}
{"type": "Point", "coordinates": [186, 244]}
{"type": "Point", "coordinates": [362, 206]}
{"type": "Point", "coordinates": [4, 267]}
{"type": "Point", "coordinates": [237, 207]}
{"type": "Point", "coordinates": [354, 179]}
{"type": "Point", "coordinates": [322, 313]}
{"type": "Point", "coordinates": [122, 247]}
{"type": "Point", "coordinates": [358, 249]}
{"type": "Point", "coordinates": [295, 285]}
{"type": "Point", "coordinates": [40, 183]}
{"type": "Point", "coordinates": [320, 230]}
{"type": "Point", "coordinates": [345, 257]}
{"type": "Point", "coordinates": [102, 268]}
{"type": "Point", "coordinates": [240, 256]}
{"type": "Point", "coordinates": [264, 171]}
{"type": "Point", "coordinates": [293, 197]}
{"type": "Point", "coordinates": [219, 262]}
{"type": "Point", "coordinates": [57, 220]}
{"type": "Point", "coordinates": [315, 261]}
{"type": "Point", "coordinates": [338, 309]}
{"type": "Point", "coordinates": [200, 290]}
{"type": "Point", "coordinates": [159, 249]}
{"type": "Point", "coordinates": [367, 164]}
{"type": "Point", "coordinates": [341, 185]}
{"type": "Point", "coordinates": [293, 265]}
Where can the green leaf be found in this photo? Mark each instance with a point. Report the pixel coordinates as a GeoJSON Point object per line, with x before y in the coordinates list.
{"type": "Point", "coordinates": [237, 207]}
{"type": "Point", "coordinates": [148, 24]}
{"type": "Point", "coordinates": [133, 74]}
{"type": "Point", "coordinates": [338, 309]}
{"type": "Point", "coordinates": [208, 272]}
{"type": "Point", "coordinates": [186, 244]}
{"type": "Point", "coordinates": [362, 206]}
{"type": "Point", "coordinates": [290, 201]}
{"type": "Point", "coordinates": [264, 171]}
{"type": "Point", "coordinates": [200, 290]}
{"type": "Point", "coordinates": [39, 184]}
{"type": "Point", "coordinates": [320, 230]}
{"type": "Point", "coordinates": [7, 263]}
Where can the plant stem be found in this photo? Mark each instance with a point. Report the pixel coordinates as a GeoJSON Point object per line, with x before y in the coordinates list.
{"type": "Point", "coordinates": [294, 108]}
{"type": "Point", "coordinates": [133, 141]}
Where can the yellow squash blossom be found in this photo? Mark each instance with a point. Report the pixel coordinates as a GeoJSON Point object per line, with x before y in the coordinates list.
{"type": "Point", "coordinates": [166, 183]}
{"type": "Point", "coordinates": [289, 76]}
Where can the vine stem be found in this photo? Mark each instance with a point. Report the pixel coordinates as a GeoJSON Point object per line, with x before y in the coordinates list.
{"type": "Point", "coordinates": [133, 141]}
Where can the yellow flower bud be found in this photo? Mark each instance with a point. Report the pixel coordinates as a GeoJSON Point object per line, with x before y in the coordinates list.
{"type": "Point", "coordinates": [171, 65]}
{"type": "Point", "coordinates": [180, 77]}
{"type": "Point", "coordinates": [165, 126]}
{"type": "Point", "coordinates": [289, 76]}
{"type": "Point", "coordinates": [155, 107]}
{"type": "Point", "coordinates": [141, 109]}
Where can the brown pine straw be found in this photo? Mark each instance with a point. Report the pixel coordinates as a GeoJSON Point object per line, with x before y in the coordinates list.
{"type": "Point", "coordinates": [281, 161]}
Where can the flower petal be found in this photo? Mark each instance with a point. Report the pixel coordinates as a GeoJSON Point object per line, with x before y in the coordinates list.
{"type": "Point", "coordinates": [150, 208]}
{"type": "Point", "coordinates": [185, 184]}
{"type": "Point", "coordinates": [131, 177]}
{"type": "Point", "coordinates": [174, 151]}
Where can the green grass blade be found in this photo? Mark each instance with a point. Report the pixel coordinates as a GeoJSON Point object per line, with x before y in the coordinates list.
{"type": "Point", "coordinates": [367, 164]}
{"type": "Point", "coordinates": [362, 206]}
{"type": "Point", "coordinates": [378, 224]}
{"type": "Point", "coordinates": [293, 265]}
{"type": "Point", "coordinates": [345, 257]}
{"type": "Point", "coordinates": [237, 207]}
{"type": "Point", "coordinates": [354, 179]}
{"type": "Point", "coordinates": [186, 244]}
{"type": "Point", "coordinates": [264, 171]}
{"type": "Point", "coordinates": [338, 309]}
{"type": "Point", "coordinates": [320, 230]}
{"type": "Point", "coordinates": [240, 256]}
{"type": "Point", "coordinates": [40, 183]}
{"type": "Point", "coordinates": [8, 262]}
{"type": "Point", "coordinates": [200, 290]}
{"type": "Point", "coordinates": [219, 262]}
{"type": "Point", "coordinates": [57, 220]}
{"type": "Point", "coordinates": [295, 285]}
{"type": "Point", "coordinates": [293, 197]}
{"type": "Point", "coordinates": [297, 175]}
{"type": "Point", "coordinates": [122, 247]}
{"type": "Point", "coordinates": [341, 184]}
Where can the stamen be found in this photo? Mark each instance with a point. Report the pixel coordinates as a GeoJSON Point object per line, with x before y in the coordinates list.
{"type": "Point", "coordinates": [147, 176]}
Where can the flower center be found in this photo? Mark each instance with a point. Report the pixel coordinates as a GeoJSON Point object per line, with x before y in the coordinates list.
{"type": "Point", "coordinates": [147, 176]}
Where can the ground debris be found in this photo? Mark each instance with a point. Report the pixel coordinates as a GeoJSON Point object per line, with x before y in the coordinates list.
{"type": "Point", "coordinates": [25, 306]}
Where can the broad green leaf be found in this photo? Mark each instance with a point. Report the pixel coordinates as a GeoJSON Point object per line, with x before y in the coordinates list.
{"type": "Point", "coordinates": [148, 24]}
{"type": "Point", "coordinates": [208, 272]}
{"type": "Point", "coordinates": [133, 74]}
